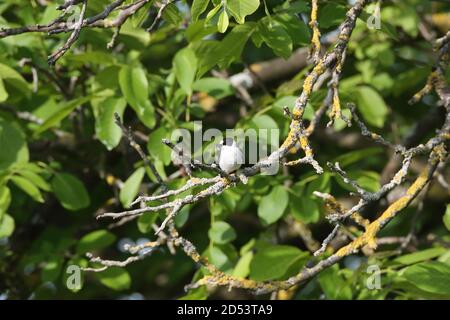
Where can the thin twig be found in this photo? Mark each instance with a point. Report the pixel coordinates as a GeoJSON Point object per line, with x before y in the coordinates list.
{"type": "Point", "coordinates": [71, 40]}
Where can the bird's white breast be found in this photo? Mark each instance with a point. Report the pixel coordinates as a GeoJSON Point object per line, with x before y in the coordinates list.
{"type": "Point", "coordinates": [231, 158]}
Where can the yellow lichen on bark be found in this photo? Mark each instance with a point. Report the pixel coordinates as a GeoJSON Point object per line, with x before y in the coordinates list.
{"type": "Point", "coordinates": [335, 107]}
{"type": "Point", "coordinates": [360, 220]}
{"type": "Point", "coordinates": [292, 135]}
{"type": "Point", "coordinates": [304, 143]}
{"type": "Point", "coordinates": [315, 39]}
{"type": "Point", "coordinates": [308, 83]}
{"type": "Point", "coordinates": [369, 236]}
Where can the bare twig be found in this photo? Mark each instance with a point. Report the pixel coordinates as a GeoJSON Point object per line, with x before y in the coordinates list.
{"type": "Point", "coordinates": [315, 40]}
{"type": "Point", "coordinates": [73, 37]}
{"type": "Point", "coordinates": [129, 135]}
{"type": "Point", "coordinates": [161, 9]}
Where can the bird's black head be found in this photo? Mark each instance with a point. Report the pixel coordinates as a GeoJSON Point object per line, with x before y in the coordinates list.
{"type": "Point", "coordinates": [228, 142]}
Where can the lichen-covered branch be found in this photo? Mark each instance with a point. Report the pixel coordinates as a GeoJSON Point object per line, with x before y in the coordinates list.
{"type": "Point", "coordinates": [315, 40]}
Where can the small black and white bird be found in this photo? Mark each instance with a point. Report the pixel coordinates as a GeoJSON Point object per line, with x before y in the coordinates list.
{"type": "Point", "coordinates": [229, 155]}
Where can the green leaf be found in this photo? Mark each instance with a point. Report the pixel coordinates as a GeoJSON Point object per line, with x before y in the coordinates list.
{"type": "Point", "coordinates": [419, 256]}
{"type": "Point", "coordinates": [134, 86]}
{"type": "Point", "coordinates": [368, 180]}
{"type": "Point", "coordinates": [135, 37]}
{"type": "Point", "coordinates": [219, 258]}
{"type": "Point", "coordinates": [52, 269]}
{"type": "Point", "coordinates": [172, 14]}
{"type": "Point", "coordinates": [242, 268]}
{"type": "Point", "coordinates": [185, 67]}
{"type": "Point", "coordinates": [304, 209]}
{"type": "Point", "coordinates": [213, 12]}
{"type": "Point", "coordinates": [231, 47]}
{"type": "Point", "coordinates": [182, 216]}
{"type": "Point", "coordinates": [298, 31]}
{"type": "Point", "coordinates": [13, 145]}
{"type": "Point", "coordinates": [28, 187]}
{"type": "Point", "coordinates": [229, 199]}
{"type": "Point", "coordinates": [198, 7]}
{"type": "Point", "coordinates": [403, 16]}
{"type": "Point", "coordinates": [156, 148]}
{"type": "Point", "coordinates": [145, 222]}
{"type": "Point", "coordinates": [207, 53]}
{"type": "Point", "coordinates": [106, 130]}
{"type": "Point", "coordinates": [406, 80]}
{"type": "Point", "coordinates": [138, 18]}
{"type": "Point", "coordinates": [222, 256]}
{"type": "Point", "coordinates": [264, 122]}
{"type": "Point", "coordinates": [445, 258]}
{"type": "Point", "coordinates": [115, 278]}
{"type": "Point", "coordinates": [214, 87]}
{"type": "Point", "coordinates": [355, 156]}
{"type": "Point", "coordinates": [276, 37]}
{"type": "Point", "coordinates": [3, 92]}
{"type": "Point", "coordinates": [13, 78]}
{"type": "Point", "coordinates": [432, 277]}
{"type": "Point", "coordinates": [331, 15]}
{"type": "Point", "coordinates": [292, 7]}
{"type": "Point", "coordinates": [210, 52]}
{"type": "Point", "coordinates": [273, 205]}
{"type": "Point", "coordinates": [257, 39]}
{"type": "Point", "coordinates": [36, 179]}
{"type": "Point", "coordinates": [223, 22]}
{"type": "Point", "coordinates": [272, 263]}
{"type": "Point", "coordinates": [239, 9]}
{"type": "Point", "coordinates": [95, 240]}
{"type": "Point", "coordinates": [289, 101]}
{"type": "Point", "coordinates": [221, 232]}
{"type": "Point", "coordinates": [321, 184]}
{"type": "Point", "coordinates": [61, 113]}
{"type": "Point", "coordinates": [70, 191]}
{"type": "Point", "coordinates": [197, 31]}
{"type": "Point", "coordinates": [446, 218]}
{"type": "Point", "coordinates": [7, 226]}
{"type": "Point", "coordinates": [334, 285]}
{"type": "Point", "coordinates": [5, 199]}
{"type": "Point", "coordinates": [93, 57]}
{"type": "Point", "coordinates": [130, 188]}
{"type": "Point", "coordinates": [371, 105]}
